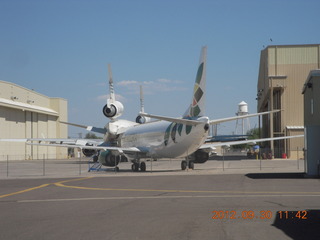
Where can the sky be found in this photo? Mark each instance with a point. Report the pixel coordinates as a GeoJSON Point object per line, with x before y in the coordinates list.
{"type": "Point", "coordinates": [62, 48]}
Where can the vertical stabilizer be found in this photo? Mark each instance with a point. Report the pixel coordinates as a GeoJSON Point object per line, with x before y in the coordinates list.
{"type": "Point", "coordinates": [197, 107]}
{"type": "Point", "coordinates": [112, 95]}
{"type": "Point", "coordinates": [141, 100]}
{"type": "Point", "coordinates": [113, 108]}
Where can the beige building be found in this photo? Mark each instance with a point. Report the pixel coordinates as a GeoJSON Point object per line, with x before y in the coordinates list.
{"type": "Point", "coordinates": [25, 113]}
{"type": "Point", "coordinates": [282, 74]}
{"type": "Point", "coordinates": [311, 93]}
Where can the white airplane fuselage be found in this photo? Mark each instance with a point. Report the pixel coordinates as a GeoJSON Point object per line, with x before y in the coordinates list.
{"type": "Point", "coordinates": [165, 139]}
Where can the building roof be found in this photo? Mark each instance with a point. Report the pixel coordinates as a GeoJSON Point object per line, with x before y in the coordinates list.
{"type": "Point", "coordinates": [313, 73]}
{"type": "Point", "coordinates": [27, 107]}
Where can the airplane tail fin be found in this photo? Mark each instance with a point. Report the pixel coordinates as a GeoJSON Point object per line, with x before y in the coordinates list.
{"type": "Point", "coordinates": [113, 108]}
{"type": "Point", "coordinates": [111, 89]}
{"type": "Point", "coordinates": [197, 107]}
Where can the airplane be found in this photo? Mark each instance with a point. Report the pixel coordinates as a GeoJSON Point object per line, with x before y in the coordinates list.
{"type": "Point", "coordinates": [165, 137]}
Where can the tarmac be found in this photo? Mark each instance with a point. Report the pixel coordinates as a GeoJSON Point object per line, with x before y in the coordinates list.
{"type": "Point", "coordinates": [221, 199]}
{"type": "Point", "coordinates": [52, 168]}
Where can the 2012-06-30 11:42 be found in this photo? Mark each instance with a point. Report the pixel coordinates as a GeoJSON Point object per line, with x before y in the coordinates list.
{"type": "Point", "coordinates": [263, 214]}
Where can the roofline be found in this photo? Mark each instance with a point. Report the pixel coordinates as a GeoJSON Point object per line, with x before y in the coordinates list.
{"type": "Point", "coordinates": [292, 45]}
{"type": "Point", "coordinates": [31, 90]}
{"type": "Point", "coordinates": [27, 107]}
{"type": "Point", "coordinates": [312, 73]}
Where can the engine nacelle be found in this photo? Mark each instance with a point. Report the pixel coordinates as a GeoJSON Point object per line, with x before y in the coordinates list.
{"type": "Point", "coordinates": [89, 152]}
{"type": "Point", "coordinates": [109, 159]}
{"type": "Point", "coordinates": [113, 110]}
{"type": "Point", "coordinates": [142, 119]}
{"type": "Point", "coordinates": [199, 156]}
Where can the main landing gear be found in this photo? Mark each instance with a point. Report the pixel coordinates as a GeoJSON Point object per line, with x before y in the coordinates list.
{"type": "Point", "coordinates": [185, 164]}
{"type": "Point", "coordinates": [138, 165]}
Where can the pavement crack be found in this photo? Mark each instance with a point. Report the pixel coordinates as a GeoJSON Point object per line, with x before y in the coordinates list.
{"type": "Point", "coordinates": [275, 203]}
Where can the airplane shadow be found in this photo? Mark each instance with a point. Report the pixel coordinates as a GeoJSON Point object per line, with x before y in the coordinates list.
{"type": "Point", "coordinates": [275, 175]}
{"type": "Point", "coordinates": [229, 158]}
{"type": "Point", "coordinates": [293, 224]}
{"type": "Point", "coordinates": [127, 170]}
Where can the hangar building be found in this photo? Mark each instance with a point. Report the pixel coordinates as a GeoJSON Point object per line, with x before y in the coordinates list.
{"type": "Point", "coordinates": [282, 73]}
{"type": "Point", "coordinates": [25, 113]}
{"type": "Point", "coordinates": [311, 94]}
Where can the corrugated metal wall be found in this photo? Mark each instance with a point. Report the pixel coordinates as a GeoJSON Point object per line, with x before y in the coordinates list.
{"type": "Point", "coordinates": [17, 122]}
{"type": "Point", "coordinates": [285, 69]}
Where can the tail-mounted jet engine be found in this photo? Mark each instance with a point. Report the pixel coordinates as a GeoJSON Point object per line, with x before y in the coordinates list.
{"type": "Point", "coordinates": [113, 110]}
{"type": "Point", "coordinates": [142, 119]}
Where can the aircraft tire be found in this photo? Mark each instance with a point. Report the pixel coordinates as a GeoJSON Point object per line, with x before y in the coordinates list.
{"type": "Point", "coordinates": [143, 166]}
{"type": "Point", "coordinates": [135, 167]}
{"type": "Point", "coordinates": [116, 169]}
{"type": "Point", "coordinates": [191, 165]}
{"type": "Point", "coordinates": [184, 165]}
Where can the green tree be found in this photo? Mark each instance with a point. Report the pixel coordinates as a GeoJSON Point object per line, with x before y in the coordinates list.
{"type": "Point", "coordinates": [252, 134]}
{"type": "Point", "coordinates": [92, 136]}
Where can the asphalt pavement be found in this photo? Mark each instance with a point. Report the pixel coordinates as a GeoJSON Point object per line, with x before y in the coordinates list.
{"type": "Point", "coordinates": [212, 203]}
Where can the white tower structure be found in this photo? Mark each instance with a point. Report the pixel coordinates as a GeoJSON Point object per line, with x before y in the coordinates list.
{"type": "Point", "coordinates": [242, 125]}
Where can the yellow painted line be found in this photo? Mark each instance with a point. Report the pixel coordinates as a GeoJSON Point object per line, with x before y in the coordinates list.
{"type": "Point", "coordinates": [38, 187]}
{"type": "Point", "coordinates": [61, 184]}
{"type": "Point", "coordinates": [23, 191]}
{"type": "Point", "coordinates": [71, 180]}
{"type": "Point", "coordinates": [159, 197]}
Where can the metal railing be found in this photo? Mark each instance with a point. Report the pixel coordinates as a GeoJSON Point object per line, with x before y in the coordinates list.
{"type": "Point", "coordinates": [16, 166]}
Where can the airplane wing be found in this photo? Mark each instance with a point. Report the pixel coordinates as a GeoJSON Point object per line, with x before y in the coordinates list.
{"type": "Point", "coordinates": [209, 148]}
{"type": "Point", "coordinates": [98, 147]}
{"type": "Point", "coordinates": [170, 119]}
{"type": "Point", "coordinates": [70, 141]}
{"type": "Point", "coordinates": [240, 117]}
{"type": "Point", "coordinates": [250, 141]}
{"type": "Point", "coordinates": [94, 144]}
{"type": "Point", "coordinates": [88, 128]}
{"type": "Point", "coordinates": [211, 122]}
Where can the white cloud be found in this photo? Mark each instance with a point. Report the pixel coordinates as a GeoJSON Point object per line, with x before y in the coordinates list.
{"type": "Point", "coordinates": [127, 83]}
{"type": "Point", "coordinates": [163, 80]}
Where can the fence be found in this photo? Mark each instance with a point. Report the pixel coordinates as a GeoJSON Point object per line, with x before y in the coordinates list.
{"type": "Point", "coordinates": [20, 166]}
{"type": "Point", "coordinates": [11, 166]}
{"type": "Point", "coordinates": [266, 153]}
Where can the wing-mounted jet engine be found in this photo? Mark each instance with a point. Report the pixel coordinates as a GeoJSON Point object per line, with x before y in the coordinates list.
{"type": "Point", "coordinates": [142, 119]}
{"type": "Point", "coordinates": [113, 108]}
{"type": "Point", "coordinates": [89, 152]}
